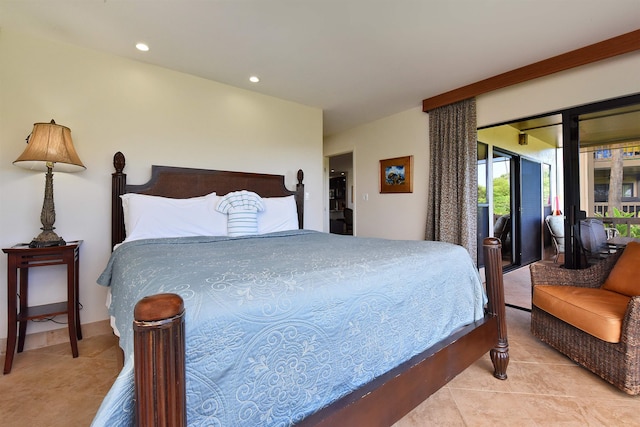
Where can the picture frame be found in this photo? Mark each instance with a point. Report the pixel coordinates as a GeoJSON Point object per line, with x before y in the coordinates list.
{"type": "Point", "coordinates": [396, 175]}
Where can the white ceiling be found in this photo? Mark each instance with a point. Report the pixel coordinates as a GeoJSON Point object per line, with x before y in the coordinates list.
{"type": "Point", "coordinates": [358, 60]}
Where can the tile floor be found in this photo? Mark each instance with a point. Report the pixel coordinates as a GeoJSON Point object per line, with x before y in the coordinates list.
{"type": "Point", "coordinates": [47, 387]}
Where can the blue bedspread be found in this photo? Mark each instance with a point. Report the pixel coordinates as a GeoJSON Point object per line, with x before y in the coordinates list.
{"type": "Point", "coordinates": [282, 324]}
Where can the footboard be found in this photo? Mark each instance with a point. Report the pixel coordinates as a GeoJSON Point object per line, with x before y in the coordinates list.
{"type": "Point", "coordinates": [159, 361]}
{"type": "Point", "coordinates": [160, 369]}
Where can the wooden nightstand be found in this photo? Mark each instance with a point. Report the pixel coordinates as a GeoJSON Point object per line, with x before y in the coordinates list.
{"type": "Point", "coordinates": [21, 258]}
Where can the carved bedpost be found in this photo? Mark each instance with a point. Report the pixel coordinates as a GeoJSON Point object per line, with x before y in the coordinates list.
{"type": "Point", "coordinates": [159, 346]}
{"type": "Point", "coordinates": [300, 198]}
{"type": "Point", "coordinates": [495, 290]}
{"type": "Point", "coordinates": [118, 184]}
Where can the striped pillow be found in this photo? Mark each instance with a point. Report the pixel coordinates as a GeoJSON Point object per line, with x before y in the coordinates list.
{"type": "Point", "coordinates": [242, 223]}
{"type": "Point", "coordinates": [242, 209]}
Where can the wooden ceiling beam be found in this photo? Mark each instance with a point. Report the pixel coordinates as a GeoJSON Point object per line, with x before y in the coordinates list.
{"type": "Point", "coordinates": [609, 48]}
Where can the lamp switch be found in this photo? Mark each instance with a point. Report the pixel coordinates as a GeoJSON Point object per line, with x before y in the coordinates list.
{"type": "Point", "coordinates": [307, 195]}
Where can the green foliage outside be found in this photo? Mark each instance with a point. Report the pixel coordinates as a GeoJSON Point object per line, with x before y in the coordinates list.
{"type": "Point", "coordinates": [622, 228]}
{"type": "Point", "coordinates": [501, 195]}
{"type": "Point", "coordinates": [482, 194]}
{"type": "Point", "coordinates": [546, 185]}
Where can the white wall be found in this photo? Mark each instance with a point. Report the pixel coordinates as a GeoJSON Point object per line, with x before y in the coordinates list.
{"type": "Point", "coordinates": [154, 116]}
{"type": "Point", "coordinates": [403, 216]}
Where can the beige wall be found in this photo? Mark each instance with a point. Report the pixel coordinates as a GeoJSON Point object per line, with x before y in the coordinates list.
{"type": "Point", "coordinates": [398, 216]}
{"type": "Point", "coordinates": [154, 116]}
{"type": "Point", "coordinates": [159, 116]}
{"type": "Point", "coordinates": [403, 216]}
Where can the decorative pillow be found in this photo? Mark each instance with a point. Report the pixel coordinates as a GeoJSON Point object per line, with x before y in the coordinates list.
{"type": "Point", "coordinates": [280, 214]}
{"type": "Point", "coordinates": [150, 217]}
{"type": "Point", "coordinates": [623, 278]}
{"type": "Point", "coordinates": [556, 224]}
{"type": "Point", "coordinates": [242, 208]}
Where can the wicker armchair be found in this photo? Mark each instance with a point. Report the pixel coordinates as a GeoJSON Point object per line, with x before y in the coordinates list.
{"type": "Point", "coordinates": [617, 363]}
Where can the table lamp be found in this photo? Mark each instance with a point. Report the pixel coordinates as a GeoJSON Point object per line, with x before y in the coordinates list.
{"type": "Point", "coordinates": [49, 146]}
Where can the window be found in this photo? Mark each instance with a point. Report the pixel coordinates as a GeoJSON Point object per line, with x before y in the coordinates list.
{"type": "Point", "coordinates": [601, 191]}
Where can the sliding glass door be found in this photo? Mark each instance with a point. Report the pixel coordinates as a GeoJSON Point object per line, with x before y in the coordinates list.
{"type": "Point", "coordinates": [602, 168]}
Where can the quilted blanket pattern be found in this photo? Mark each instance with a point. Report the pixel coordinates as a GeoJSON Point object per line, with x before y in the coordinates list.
{"type": "Point", "coordinates": [282, 324]}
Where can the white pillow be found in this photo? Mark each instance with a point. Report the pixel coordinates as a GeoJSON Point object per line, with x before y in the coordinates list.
{"type": "Point", "coordinates": [150, 217]}
{"type": "Point", "coordinates": [280, 214]}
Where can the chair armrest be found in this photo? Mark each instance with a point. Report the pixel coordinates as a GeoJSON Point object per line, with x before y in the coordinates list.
{"type": "Point", "coordinates": [592, 277]}
{"type": "Point", "coordinates": [631, 323]}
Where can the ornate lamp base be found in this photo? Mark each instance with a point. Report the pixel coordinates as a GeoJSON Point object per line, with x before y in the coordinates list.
{"type": "Point", "coordinates": [46, 239]}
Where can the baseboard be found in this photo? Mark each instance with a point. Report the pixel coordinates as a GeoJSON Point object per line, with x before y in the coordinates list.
{"type": "Point", "coordinates": [59, 336]}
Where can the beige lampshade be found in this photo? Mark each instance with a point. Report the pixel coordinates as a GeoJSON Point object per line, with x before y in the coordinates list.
{"type": "Point", "coordinates": [50, 143]}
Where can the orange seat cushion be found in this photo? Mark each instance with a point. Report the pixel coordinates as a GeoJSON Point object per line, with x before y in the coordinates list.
{"type": "Point", "coordinates": [625, 275]}
{"type": "Point", "coordinates": [597, 312]}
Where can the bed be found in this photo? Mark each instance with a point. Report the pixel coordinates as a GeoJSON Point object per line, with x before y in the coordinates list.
{"type": "Point", "coordinates": [287, 326]}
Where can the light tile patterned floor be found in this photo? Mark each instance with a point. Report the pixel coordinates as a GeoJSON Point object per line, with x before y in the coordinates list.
{"type": "Point", "coordinates": [47, 387]}
{"type": "Point", "coordinates": [544, 388]}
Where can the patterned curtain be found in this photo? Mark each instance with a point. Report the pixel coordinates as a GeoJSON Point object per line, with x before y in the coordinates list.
{"type": "Point", "coordinates": [453, 182]}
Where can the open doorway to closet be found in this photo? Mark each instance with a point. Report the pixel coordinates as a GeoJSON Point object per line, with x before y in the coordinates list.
{"type": "Point", "coordinates": [340, 203]}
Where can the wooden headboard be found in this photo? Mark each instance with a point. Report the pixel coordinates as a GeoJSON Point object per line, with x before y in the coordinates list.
{"type": "Point", "coordinates": [181, 183]}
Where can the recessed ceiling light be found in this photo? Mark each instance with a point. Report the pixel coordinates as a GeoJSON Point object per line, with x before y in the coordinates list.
{"type": "Point", "coordinates": [254, 79]}
{"type": "Point", "coordinates": [142, 47]}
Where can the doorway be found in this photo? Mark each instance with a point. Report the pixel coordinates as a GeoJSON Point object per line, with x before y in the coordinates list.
{"type": "Point", "coordinates": [510, 204]}
{"type": "Point", "coordinates": [340, 195]}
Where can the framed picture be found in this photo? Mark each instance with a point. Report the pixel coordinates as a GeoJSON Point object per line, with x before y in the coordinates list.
{"type": "Point", "coordinates": [396, 175]}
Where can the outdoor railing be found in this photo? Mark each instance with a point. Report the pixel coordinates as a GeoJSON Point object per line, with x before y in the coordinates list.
{"type": "Point", "coordinates": [602, 208]}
